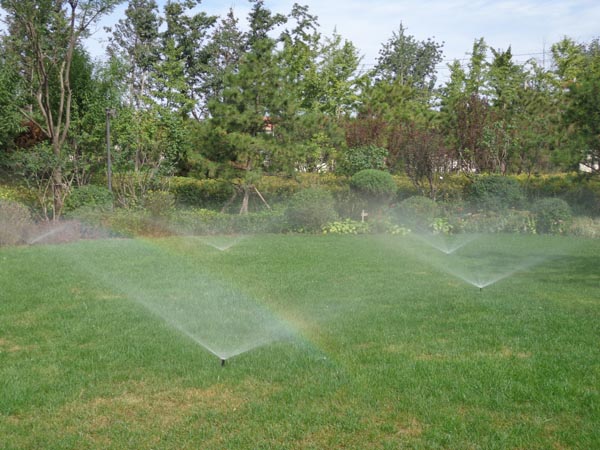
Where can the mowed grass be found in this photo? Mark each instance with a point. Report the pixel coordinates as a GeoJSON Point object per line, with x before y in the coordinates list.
{"type": "Point", "coordinates": [386, 346]}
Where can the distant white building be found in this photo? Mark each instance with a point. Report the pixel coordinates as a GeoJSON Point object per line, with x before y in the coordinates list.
{"type": "Point", "coordinates": [590, 165]}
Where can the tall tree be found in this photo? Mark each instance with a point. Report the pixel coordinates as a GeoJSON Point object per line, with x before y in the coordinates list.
{"type": "Point", "coordinates": [408, 61]}
{"type": "Point", "coordinates": [225, 48]}
{"type": "Point", "coordinates": [46, 33]}
{"type": "Point", "coordinates": [184, 58]}
{"type": "Point", "coordinates": [135, 43]}
{"type": "Point", "coordinates": [252, 99]}
{"type": "Point", "coordinates": [11, 88]}
{"type": "Point", "coordinates": [465, 109]}
{"type": "Point", "coordinates": [582, 114]}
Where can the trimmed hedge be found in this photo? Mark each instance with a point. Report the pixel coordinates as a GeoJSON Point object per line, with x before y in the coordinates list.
{"type": "Point", "coordinates": [416, 212]}
{"type": "Point", "coordinates": [310, 209]}
{"type": "Point", "coordinates": [207, 193]}
{"type": "Point", "coordinates": [374, 185]}
{"type": "Point", "coordinates": [582, 192]}
{"type": "Point", "coordinates": [15, 222]}
{"type": "Point", "coordinates": [552, 215]}
{"type": "Point", "coordinates": [496, 193]}
{"type": "Point", "coordinates": [89, 196]}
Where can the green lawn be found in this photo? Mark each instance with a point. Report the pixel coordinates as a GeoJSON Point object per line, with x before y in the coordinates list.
{"type": "Point", "coordinates": [330, 341]}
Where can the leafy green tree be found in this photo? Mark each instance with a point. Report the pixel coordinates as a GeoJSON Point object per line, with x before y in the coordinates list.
{"type": "Point", "coordinates": [251, 97]}
{"type": "Point", "coordinates": [569, 60]}
{"type": "Point", "coordinates": [464, 108]}
{"type": "Point", "coordinates": [10, 89]}
{"type": "Point", "coordinates": [582, 114]}
{"type": "Point", "coordinates": [356, 159]}
{"type": "Point", "coordinates": [134, 42]}
{"type": "Point", "coordinates": [183, 65]}
{"type": "Point", "coordinates": [408, 61]}
{"type": "Point", "coordinates": [224, 48]}
{"type": "Point", "coordinates": [332, 86]}
{"type": "Point", "coordinates": [45, 34]}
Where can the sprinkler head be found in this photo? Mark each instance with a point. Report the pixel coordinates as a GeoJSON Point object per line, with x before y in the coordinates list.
{"type": "Point", "coordinates": [480, 289]}
{"type": "Point", "coordinates": [223, 362]}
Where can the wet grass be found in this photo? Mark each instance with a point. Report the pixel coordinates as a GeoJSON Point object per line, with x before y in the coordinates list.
{"type": "Point", "coordinates": [386, 348]}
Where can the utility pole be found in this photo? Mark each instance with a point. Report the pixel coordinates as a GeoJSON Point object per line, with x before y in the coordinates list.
{"type": "Point", "coordinates": [109, 113]}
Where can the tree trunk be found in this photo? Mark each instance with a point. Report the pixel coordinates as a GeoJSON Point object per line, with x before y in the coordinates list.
{"type": "Point", "coordinates": [57, 193]}
{"type": "Point", "coordinates": [244, 208]}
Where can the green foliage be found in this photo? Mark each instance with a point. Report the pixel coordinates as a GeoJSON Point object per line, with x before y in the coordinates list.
{"type": "Point", "coordinates": [189, 221]}
{"type": "Point", "coordinates": [89, 196]}
{"type": "Point", "coordinates": [10, 116]}
{"type": "Point", "coordinates": [130, 188]}
{"type": "Point", "coordinates": [416, 212]}
{"type": "Point", "coordinates": [277, 189]}
{"type": "Point", "coordinates": [373, 185]}
{"type": "Point", "coordinates": [15, 222]}
{"type": "Point", "coordinates": [510, 221]}
{"type": "Point", "coordinates": [347, 226]}
{"type": "Point", "coordinates": [405, 188]}
{"type": "Point", "coordinates": [353, 160]}
{"type": "Point", "coordinates": [582, 115]}
{"type": "Point", "coordinates": [552, 215]}
{"type": "Point", "coordinates": [495, 193]}
{"type": "Point", "coordinates": [441, 225]}
{"type": "Point", "coordinates": [159, 203]}
{"type": "Point", "coordinates": [208, 193]}
{"type": "Point", "coordinates": [411, 62]}
{"type": "Point", "coordinates": [135, 222]}
{"type": "Point", "coordinates": [581, 192]}
{"type": "Point", "coordinates": [310, 209]}
{"type": "Point", "coordinates": [585, 227]}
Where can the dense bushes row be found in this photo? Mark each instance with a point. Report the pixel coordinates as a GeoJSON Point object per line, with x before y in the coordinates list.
{"type": "Point", "coordinates": [315, 203]}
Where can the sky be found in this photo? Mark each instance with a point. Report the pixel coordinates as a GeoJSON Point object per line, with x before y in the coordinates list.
{"type": "Point", "coordinates": [530, 27]}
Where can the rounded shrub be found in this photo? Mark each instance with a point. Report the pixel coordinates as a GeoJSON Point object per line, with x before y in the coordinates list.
{"type": "Point", "coordinates": [15, 222]}
{"type": "Point", "coordinates": [496, 193]}
{"type": "Point", "coordinates": [89, 196]}
{"type": "Point", "coordinates": [159, 203]}
{"type": "Point", "coordinates": [355, 159]}
{"type": "Point", "coordinates": [416, 212]}
{"type": "Point", "coordinates": [552, 215]}
{"type": "Point", "coordinates": [374, 185]}
{"type": "Point", "coordinates": [310, 209]}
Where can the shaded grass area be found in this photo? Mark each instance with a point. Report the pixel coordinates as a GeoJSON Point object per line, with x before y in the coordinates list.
{"type": "Point", "coordinates": [388, 348]}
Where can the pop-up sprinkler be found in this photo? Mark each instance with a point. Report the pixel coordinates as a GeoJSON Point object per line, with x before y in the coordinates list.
{"type": "Point", "coordinates": [223, 362]}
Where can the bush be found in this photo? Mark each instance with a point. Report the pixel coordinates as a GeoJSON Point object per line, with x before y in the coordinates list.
{"type": "Point", "coordinates": [310, 209]}
{"type": "Point", "coordinates": [159, 203]}
{"type": "Point", "coordinates": [15, 222]}
{"type": "Point", "coordinates": [132, 223]}
{"type": "Point", "coordinates": [512, 221]}
{"type": "Point", "coordinates": [416, 212]}
{"type": "Point", "coordinates": [496, 193]}
{"type": "Point", "coordinates": [277, 189]}
{"type": "Point", "coordinates": [347, 226]}
{"type": "Point", "coordinates": [405, 188]}
{"type": "Point", "coordinates": [89, 196]}
{"type": "Point", "coordinates": [207, 193]}
{"type": "Point", "coordinates": [585, 227]}
{"type": "Point", "coordinates": [552, 215]}
{"type": "Point", "coordinates": [373, 185]}
{"type": "Point", "coordinates": [355, 159]}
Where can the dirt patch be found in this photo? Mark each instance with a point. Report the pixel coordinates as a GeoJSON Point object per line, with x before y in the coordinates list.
{"type": "Point", "coordinates": [411, 428]}
{"type": "Point", "coordinates": [504, 352]}
{"type": "Point", "coordinates": [11, 347]}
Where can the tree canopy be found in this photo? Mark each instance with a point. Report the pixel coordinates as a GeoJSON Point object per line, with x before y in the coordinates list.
{"type": "Point", "coordinates": [235, 97]}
